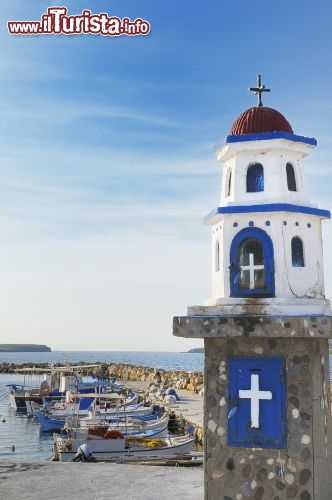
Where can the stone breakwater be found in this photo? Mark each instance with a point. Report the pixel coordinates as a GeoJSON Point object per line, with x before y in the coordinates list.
{"type": "Point", "coordinates": [12, 367]}
{"type": "Point", "coordinates": [189, 381]}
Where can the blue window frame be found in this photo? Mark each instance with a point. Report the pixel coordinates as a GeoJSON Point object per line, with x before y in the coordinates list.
{"type": "Point", "coordinates": [251, 264]}
{"type": "Point", "coordinates": [291, 182]}
{"type": "Point", "coordinates": [297, 252]}
{"type": "Point", "coordinates": [255, 178]}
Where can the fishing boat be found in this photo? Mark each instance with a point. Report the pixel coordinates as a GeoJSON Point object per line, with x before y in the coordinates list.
{"type": "Point", "coordinates": [128, 425]}
{"type": "Point", "coordinates": [55, 420]}
{"type": "Point", "coordinates": [113, 406]}
{"type": "Point", "coordinates": [20, 393]}
{"type": "Point", "coordinates": [96, 402]}
{"type": "Point", "coordinates": [79, 418]}
{"type": "Point", "coordinates": [67, 449]}
{"type": "Point", "coordinates": [99, 402]}
{"type": "Point", "coordinates": [117, 432]}
{"type": "Point", "coordinates": [56, 381]}
{"type": "Point", "coordinates": [88, 410]}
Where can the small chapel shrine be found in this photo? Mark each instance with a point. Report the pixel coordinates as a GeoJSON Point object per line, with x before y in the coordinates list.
{"type": "Point", "coordinates": [266, 235]}
{"type": "Point", "coordinates": [267, 418]}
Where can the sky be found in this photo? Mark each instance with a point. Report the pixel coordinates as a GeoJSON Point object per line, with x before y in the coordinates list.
{"type": "Point", "coordinates": [108, 166]}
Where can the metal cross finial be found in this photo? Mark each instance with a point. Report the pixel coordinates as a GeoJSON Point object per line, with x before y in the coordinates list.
{"type": "Point", "coordinates": [259, 90]}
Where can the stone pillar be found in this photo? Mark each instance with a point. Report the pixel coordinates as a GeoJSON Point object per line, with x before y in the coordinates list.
{"type": "Point", "coordinates": [267, 420]}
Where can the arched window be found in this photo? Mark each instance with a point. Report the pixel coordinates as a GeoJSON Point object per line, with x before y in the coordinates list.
{"type": "Point", "coordinates": [217, 257]}
{"type": "Point", "coordinates": [251, 269]}
{"type": "Point", "coordinates": [291, 182]}
{"type": "Point", "coordinates": [297, 252]}
{"type": "Point", "coordinates": [255, 178]}
{"type": "Point", "coordinates": [229, 184]}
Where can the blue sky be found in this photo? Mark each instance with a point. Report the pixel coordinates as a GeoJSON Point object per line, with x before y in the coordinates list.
{"type": "Point", "coordinates": [108, 164]}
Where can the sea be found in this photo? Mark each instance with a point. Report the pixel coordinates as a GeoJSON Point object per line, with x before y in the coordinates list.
{"type": "Point", "coordinates": [20, 437]}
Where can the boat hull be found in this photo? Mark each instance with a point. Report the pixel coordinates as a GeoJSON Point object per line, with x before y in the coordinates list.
{"type": "Point", "coordinates": [103, 450]}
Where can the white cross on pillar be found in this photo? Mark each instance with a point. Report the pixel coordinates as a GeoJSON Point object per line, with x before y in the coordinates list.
{"type": "Point", "coordinates": [252, 268]}
{"type": "Point", "coordinates": [255, 395]}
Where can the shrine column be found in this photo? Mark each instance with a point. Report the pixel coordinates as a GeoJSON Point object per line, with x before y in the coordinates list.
{"type": "Point", "coordinates": [267, 418]}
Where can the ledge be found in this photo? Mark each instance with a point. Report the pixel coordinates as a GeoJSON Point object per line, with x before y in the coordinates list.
{"type": "Point", "coordinates": [266, 207]}
{"type": "Point", "coordinates": [267, 136]}
{"type": "Point", "coordinates": [311, 327]}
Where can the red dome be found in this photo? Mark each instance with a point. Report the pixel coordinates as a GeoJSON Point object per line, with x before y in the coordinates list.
{"type": "Point", "coordinates": [259, 120]}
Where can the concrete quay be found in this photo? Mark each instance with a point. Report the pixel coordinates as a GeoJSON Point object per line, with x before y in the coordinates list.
{"type": "Point", "coordinates": [33, 480]}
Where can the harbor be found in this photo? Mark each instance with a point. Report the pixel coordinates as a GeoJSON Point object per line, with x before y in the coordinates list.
{"type": "Point", "coordinates": [35, 478]}
{"type": "Point", "coordinates": [24, 438]}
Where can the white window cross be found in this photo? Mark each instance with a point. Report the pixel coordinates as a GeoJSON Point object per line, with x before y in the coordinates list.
{"type": "Point", "coordinates": [255, 395]}
{"type": "Point", "coordinates": [252, 268]}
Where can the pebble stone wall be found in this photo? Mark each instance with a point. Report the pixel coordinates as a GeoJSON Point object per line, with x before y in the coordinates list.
{"type": "Point", "coordinates": [302, 470]}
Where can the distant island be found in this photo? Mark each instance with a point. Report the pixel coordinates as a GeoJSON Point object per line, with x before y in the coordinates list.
{"type": "Point", "coordinates": [197, 349]}
{"type": "Point", "coordinates": [24, 348]}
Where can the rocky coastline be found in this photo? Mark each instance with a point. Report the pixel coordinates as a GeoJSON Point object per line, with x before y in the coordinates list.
{"type": "Point", "coordinates": [24, 348]}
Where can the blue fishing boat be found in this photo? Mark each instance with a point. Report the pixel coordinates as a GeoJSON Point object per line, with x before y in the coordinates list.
{"type": "Point", "coordinates": [55, 422]}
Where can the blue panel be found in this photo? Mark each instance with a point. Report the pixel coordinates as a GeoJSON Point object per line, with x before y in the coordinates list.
{"type": "Point", "coordinates": [271, 135]}
{"type": "Point", "coordinates": [271, 429]}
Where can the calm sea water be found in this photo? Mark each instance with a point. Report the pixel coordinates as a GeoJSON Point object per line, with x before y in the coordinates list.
{"type": "Point", "coordinates": [24, 433]}
{"type": "Point", "coordinates": [164, 360]}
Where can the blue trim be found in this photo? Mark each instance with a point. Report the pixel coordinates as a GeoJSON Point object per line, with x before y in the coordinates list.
{"type": "Point", "coordinates": [265, 136]}
{"type": "Point", "coordinates": [265, 240]}
{"type": "Point", "coordinates": [268, 207]}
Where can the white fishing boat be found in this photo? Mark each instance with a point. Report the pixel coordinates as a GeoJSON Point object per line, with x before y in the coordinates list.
{"type": "Point", "coordinates": [95, 402]}
{"type": "Point", "coordinates": [91, 409]}
{"type": "Point", "coordinates": [107, 448]}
